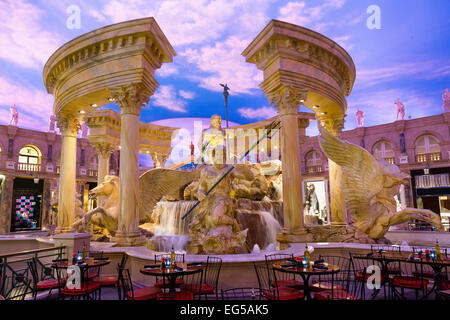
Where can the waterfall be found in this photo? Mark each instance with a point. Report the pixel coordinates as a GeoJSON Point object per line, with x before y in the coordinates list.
{"type": "Point", "coordinates": [272, 227]}
{"type": "Point", "coordinates": [171, 231]}
{"type": "Point", "coordinates": [169, 214]}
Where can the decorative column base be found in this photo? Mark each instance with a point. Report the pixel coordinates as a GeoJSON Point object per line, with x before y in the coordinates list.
{"type": "Point", "coordinates": [296, 236]}
{"type": "Point", "coordinates": [62, 230]}
{"type": "Point", "coordinates": [129, 239]}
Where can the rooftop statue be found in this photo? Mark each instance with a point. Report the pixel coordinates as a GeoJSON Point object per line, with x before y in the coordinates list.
{"type": "Point", "coordinates": [360, 117]}
{"type": "Point", "coordinates": [400, 109]}
{"type": "Point", "coordinates": [369, 187]}
{"type": "Point", "coordinates": [446, 100]}
{"type": "Point", "coordinates": [14, 116]}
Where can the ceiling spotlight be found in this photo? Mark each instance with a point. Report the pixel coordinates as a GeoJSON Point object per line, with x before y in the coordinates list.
{"type": "Point", "coordinates": [301, 100]}
{"type": "Point", "coordinates": [147, 152]}
{"type": "Point", "coordinates": [82, 111]}
{"type": "Point", "coordinates": [93, 105]}
{"type": "Point", "coordinates": [120, 147]}
{"type": "Point", "coordinates": [316, 107]}
{"type": "Point", "coordinates": [323, 113]}
{"type": "Point", "coordinates": [111, 99]}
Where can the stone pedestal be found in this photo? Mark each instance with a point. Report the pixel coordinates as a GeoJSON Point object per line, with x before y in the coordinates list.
{"type": "Point", "coordinates": [74, 242]}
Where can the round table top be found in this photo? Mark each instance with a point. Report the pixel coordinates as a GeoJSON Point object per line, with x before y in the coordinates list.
{"type": "Point", "coordinates": [156, 270]}
{"type": "Point", "coordinates": [395, 256]}
{"type": "Point", "coordinates": [331, 268]}
{"type": "Point", "coordinates": [90, 263]}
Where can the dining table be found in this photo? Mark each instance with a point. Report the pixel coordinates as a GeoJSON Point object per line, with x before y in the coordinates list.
{"type": "Point", "coordinates": [306, 272]}
{"type": "Point", "coordinates": [173, 272]}
{"type": "Point", "coordinates": [89, 263]}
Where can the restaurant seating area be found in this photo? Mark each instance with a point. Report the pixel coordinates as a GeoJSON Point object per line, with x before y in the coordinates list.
{"type": "Point", "coordinates": [382, 273]}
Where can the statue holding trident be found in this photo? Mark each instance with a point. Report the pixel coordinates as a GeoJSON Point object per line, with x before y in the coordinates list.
{"type": "Point", "coordinates": [225, 96]}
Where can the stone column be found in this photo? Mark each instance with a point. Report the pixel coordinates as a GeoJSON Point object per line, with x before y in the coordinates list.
{"type": "Point", "coordinates": [46, 210]}
{"type": "Point", "coordinates": [104, 151]}
{"type": "Point", "coordinates": [287, 101]}
{"type": "Point", "coordinates": [130, 99]}
{"type": "Point", "coordinates": [5, 204]}
{"type": "Point", "coordinates": [69, 126]}
{"type": "Point", "coordinates": [338, 210]}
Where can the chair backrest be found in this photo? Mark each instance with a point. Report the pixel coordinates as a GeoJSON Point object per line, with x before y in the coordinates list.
{"type": "Point", "coordinates": [344, 264]}
{"type": "Point", "coordinates": [264, 279]}
{"type": "Point", "coordinates": [244, 293]}
{"type": "Point", "coordinates": [360, 264]}
{"type": "Point", "coordinates": [277, 258]}
{"type": "Point", "coordinates": [125, 284]}
{"type": "Point", "coordinates": [179, 257]}
{"type": "Point", "coordinates": [33, 271]}
{"type": "Point", "coordinates": [123, 261]}
{"type": "Point", "coordinates": [385, 247]}
{"type": "Point", "coordinates": [212, 271]}
{"type": "Point", "coordinates": [20, 287]}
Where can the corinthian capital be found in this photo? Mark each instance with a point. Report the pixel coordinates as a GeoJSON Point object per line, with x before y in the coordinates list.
{"type": "Point", "coordinates": [131, 98]}
{"type": "Point", "coordinates": [69, 125]}
{"type": "Point", "coordinates": [333, 123]}
{"type": "Point", "coordinates": [287, 97]}
{"type": "Point", "coordinates": [104, 149]}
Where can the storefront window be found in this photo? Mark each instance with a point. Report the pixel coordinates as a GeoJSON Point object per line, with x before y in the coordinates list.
{"type": "Point", "coordinates": [316, 204]}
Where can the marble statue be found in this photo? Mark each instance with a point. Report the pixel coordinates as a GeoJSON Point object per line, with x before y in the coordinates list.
{"type": "Point", "coordinates": [360, 117]}
{"type": "Point", "coordinates": [446, 100]}
{"type": "Point", "coordinates": [51, 127]}
{"type": "Point", "coordinates": [369, 187]}
{"type": "Point", "coordinates": [400, 109]}
{"type": "Point", "coordinates": [84, 130]}
{"type": "Point", "coordinates": [212, 141]}
{"type": "Point", "coordinates": [103, 218]}
{"type": "Point", "coordinates": [14, 116]}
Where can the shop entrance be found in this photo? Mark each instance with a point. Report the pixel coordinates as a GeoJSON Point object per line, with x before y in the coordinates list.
{"type": "Point", "coordinates": [26, 208]}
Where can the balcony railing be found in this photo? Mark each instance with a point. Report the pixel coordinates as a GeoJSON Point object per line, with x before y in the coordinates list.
{"type": "Point", "coordinates": [314, 169]}
{"type": "Point", "coordinates": [390, 160]}
{"type": "Point", "coordinates": [436, 156]}
{"type": "Point", "coordinates": [28, 167]}
{"type": "Point", "coordinates": [92, 173]}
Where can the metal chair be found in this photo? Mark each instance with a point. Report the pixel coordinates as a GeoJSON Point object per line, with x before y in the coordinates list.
{"type": "Point", "coordinates": [361, 275]}
{"type": "Point", "coordinates": [244, 293]}
{"type": "Point", "coordinates": [187, 290]}
{"type": "Point", "coordinates": [284, 279]}
{"type": "Point", "coordinates": [336, 286]}
{"type": "Point", "coordinates": [45, 282]}
{"type": "Point", "coordinates": [412, 277]}
{"type": "Point", "coordinates": [274, 292]}
{"type": "Point", "coordinates": [210, 278]}
{"type": "Point", "coordinates": [127, 291]}
{"type": "Point", "coordinates": [88, 288]}
{"type": "Point", "coordinates": [112, 280]}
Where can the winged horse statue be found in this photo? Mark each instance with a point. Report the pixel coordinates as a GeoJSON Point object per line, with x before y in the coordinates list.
{"type": "Point", "coordinates": [369, 186]}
